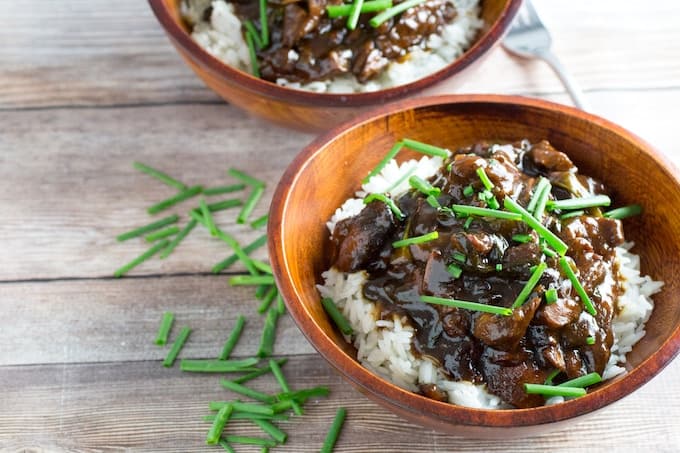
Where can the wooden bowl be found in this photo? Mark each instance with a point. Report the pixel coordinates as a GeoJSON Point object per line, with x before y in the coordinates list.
{"type": "Point", "coordinates": [330, 169]}
{"type": "Point", "coordinates": [306, 110]}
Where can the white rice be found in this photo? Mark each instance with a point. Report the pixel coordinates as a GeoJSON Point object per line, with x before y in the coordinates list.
{"type": "Point", "coordinates": [221, 36]}
{"type": "Point", "coordinates": [384, 346]}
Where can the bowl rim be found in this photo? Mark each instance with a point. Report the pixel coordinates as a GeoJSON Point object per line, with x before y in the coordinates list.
{"type": "Point", "coordinates": [219, 69]}
{"type": "Point", "coordinates": [410, 402]}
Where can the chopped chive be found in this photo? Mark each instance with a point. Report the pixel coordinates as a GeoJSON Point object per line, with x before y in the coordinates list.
{"type": "Point", "coordinates": [486, 182]}
{"type": "Point", "coordinates": [432, 201]}
{"type": "Point", "coordinates": [251, 280]}
{"type": "Point", "coordinates": [259, 222]}
{"type": "Point", "coordinates": [583, 381]}
{"type": "Point", "coordinates": [258, 373]}
{"type": "Point", "coordinates": [590, 341]}
{"type": "Point", "coordinates": [223, 189]}
{"type": "Point", "coordinates": [176, 347]}
{"type": "Point", "coordinates": [550, 237]}
{"type": "Point", "coordinates": [542, 202]}
{"type": "Point", "coordinates": [553, 374]}
{"type": "Point", "coordinates": [467, 223]}
{"type": "Point", "coordinates": [305, 394]}
{"type": "Point", "coordinates": [493, 203]}
{"type": "Point", "coordinates": [228, 448]}
{"type": "Point", "coordinates": [250, 204]}
{"type": "Point", "coordinates": [254, 66]}
{"type": "Point", "coordinates": [264, 449]}
{"type": "Point", "coordinates": [208, 218]}
{"type": "Point", "coordinates": [248, 249]}
{"type": "Point", "coordinates": [250, 441]}
{"type": "Point", "coordinates": [268, 333]}
{"type": "Point", "coordinates": [485, 212]}
{"type": "Point", "coordinates": [423, 186]}
{"type": "Point", "coordinates": [280, 305]}
{"type": "Point", "coordinates": [571, 214]}
{"type": "Point", "coordinates": [334, 431]}
{"type": "Point", "coordinates": [401, 179]}
{"type": "Point", "coordinates": [460, 257]}
{"type": "Point", "coordinates": [246, 391]}
{"type": "Point", "coordinates": [238, 251]}
{"type": "Point", "coordinates": [484, 195]}
{"type": "Point", "coordinates": [246, 178]}
{"type": "Point", "coordinates": [267, 299]}
{"type": "Point", "coordinates": [624, 212]}
{"type": "Point", "coordinates": [147, 228]}
{"type": "Point", "coordinates": [248, 416]}
{"type": "Point", "coordinates": [162, 234]}
{"type": "Point", "coordinates": [262, 266]}
{"type": "Point", "coordinates": [335, 11]}
{"type": "Point", "coordinates": [218, 425]}
{"type": "Point", "coordinates": [587, 303]}
{"type": "Point", "coordinates": [551, 296]}
{"type": "Point", "coordinates": [454, 270]}
{"type": "Point", "coordinates": [353, 17]}
{"type": "Point", "coordinates": [548, 252]}
{"type": "Point", "coordinates": [169, 202]}
{"type": "Point", "coordinates": [468, 191]}
{"type": "Point", "coordinates": [499, 267]}
{"type": "Point", "coordinates": [474, 306]}
{"type": "Point", "coordinates": [529, 287]}
{"type": "Point", "coordinates": [421, 147]}
{"type": "Point", "coordinates": [580, 203]}
{"type": "Point", "coordinates": [551, 390]}
{"type": "Point", "coordinates": [269, 428]}
{"type": "Point", "coordinates": [281, 379]}
{"type": "Point", "coordinates": [337, 316]}
{"type": "Point", "coordinates": [282, 406]}
{"type": "Point", "coordinates": [377, 20]}
{"type": "Point", "coordinates": [141, 258]}
{"type": "Point", "coordinates": [264, 25]}
{"type": "Point", "coordinates": [388, 157]}
{"type": "Point", "coordinates": [261, 291]}
{"type": "Point", "coordinates": [177, 239]}
{"type": "Point", "coordinates": [522, 238]}
{"type": "Point", "coordinates": [250, 28]}
{"type": "Point", "coordinates": [221, 205]}
{"type": "Point", "coordinates": [540, 186]}
{"type": "Point", "coordinates": [218, 365]}
{"type": "Point", "coordinates": [388, 201]}
{"type": "Point", "coordinates": [416, 240]}
{"type": "Point", "coordinates": [164, 328]}
{"type": "Point", "coordinates": [233, 338]}
{"type": "Point", "coordinates": [164, 178]}
{"type": "Point", "coordinates": [251, 408]}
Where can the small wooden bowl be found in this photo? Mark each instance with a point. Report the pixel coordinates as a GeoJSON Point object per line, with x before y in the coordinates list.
{"type": "Point", "coordinates": [330, 169]}
{"type": "Point", "coordinates": [309, 111]}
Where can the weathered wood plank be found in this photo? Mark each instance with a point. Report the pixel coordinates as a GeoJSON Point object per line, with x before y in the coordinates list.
{"type": "Point", "coordinates": [139, 406]}
{"type": "Point", "coordinates": [86, 52]}
{"type": "Point", "coordinates": [117, 320]}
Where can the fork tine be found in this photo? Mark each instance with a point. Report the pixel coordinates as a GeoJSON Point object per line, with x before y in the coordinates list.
{"type": "Point", "coordinates": [532, 14]}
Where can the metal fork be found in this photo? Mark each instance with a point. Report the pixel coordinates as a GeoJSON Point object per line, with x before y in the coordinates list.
{"type": "Point", "coordinates": [529, 38]}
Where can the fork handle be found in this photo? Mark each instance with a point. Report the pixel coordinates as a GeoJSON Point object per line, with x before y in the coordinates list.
{"type": "Point", "coordinates": [567, 80]}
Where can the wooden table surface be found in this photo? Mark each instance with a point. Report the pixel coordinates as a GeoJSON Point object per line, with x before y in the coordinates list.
{"type": "Point", "coordinates": [89, 86]}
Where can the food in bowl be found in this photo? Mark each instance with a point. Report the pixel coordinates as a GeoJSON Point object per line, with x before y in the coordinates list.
{"type": "Point", "coordinates": [321, 46]}
{"type": "Point", "coordinates": [491, 277]}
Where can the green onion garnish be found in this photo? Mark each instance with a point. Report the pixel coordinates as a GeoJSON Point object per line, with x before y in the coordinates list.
{"type": "Point", "coordinates": [262, 266]}
{"type": "Point", "coordinates": [223, 189]}
{"type": "Point", "coordinates": [486, 182]}
{"type": "Point", "coordinates": [251, 280]}
{"type": "Point", "coordinates": [228, 448]}
{"type": "Point", "coordinates": [170, 181]}
{"type": "Point", "coordinates": [624, 212]}
{"type": "Point", "coordinates": [551, 390]}
{"type": "Point", "coordinates": [258, 373]}
{"type": "Point", "coordinates": [484, 195]}
{"type": "Point", "coordinates": [421, 147]}
{"type": "Point", "coordinates": [176, 347]}
{"type": "Point", "coordinates": [233, 338]}
{"type": "Point", "coordinates": [335, 11]}
{"type": "Point", "coordinates": [590, 341]}
{"type": "Point", "coordinates": [304, 394]}
{"type": "Point", "coordinates": [540, 186]}
{"type": "Point", "coordinates": [493, 203]}
{"type": "Point", "coordinates": [278, 374]}
{"type": "Point", "coordinates": [407, 174]}
{"type": "Point", "coordinates": [467, 223]}
{"type": "Point", "coordinates": [269, 428]}
{"type": "Point", "coordinates": [551, 296]}
{"type": "Point", "coordinates": [250, 203]}
{"type": "Point", "coordinates": [388, 201]}
{"type": "Point", "coordinates": [162, 234]}
{"type": "Point", "coordinates": [468, 191]}
{"type": "Point", "coordinates": [583, 381]}
{"type": "Point", "coordinates": [485, 212]}
{"type": "Point", "coordinates": [550, 237]}
{"type": "Point", "coordinates": [542, 202]}
{"type": "Point", "coordinates": [522, 238]}
{"type": "Point", "coordinates": [423, 186]}
{"type": "Point", "coordinates": [208, 218]}
{"type": "Point", "coordinates": [254, 66]}
{"type": "Point", "coordinates": [416, 240]}
{"type": "Point", "coordinates": [587, 303]}
{"type": "Point", "coordinates": [247, 391]}
{"type": "Point", "coordinates": [548, 252]}
{"type": "Point", "coordinates": [264, 26]}
{"type": "Point", "coordinates": [454, 270]}
{"type": "Point", "coordinates": [389, 13]}
{"type": "Point", "coordinates": [141, 258]}
{"type": "Point", "coordinates": [334, 431]}
{"type": "Point", "coordinates": [250, 441]}
{"type": "Point", "coordinates": [460, 257]}
{"type": "Point", "coordinates": [353, 17]}
{"type": "Point", "coordinates": [259, 222]}
{"type": "Point", "coordinates": [248, 249]}
{"type": "Point", "coordinates": [147, 228]}
{"type": "Point", "coordinates": [251, 408]}
{"type": "Point", "coordinates": [261, 291]}
{"type": "Point", "coordinates": [221, 205]}
{"type": "Point", "coordinates": [218, 425]}
{"type": "Point", "coordinates": [571, 214]}
{"type": "Point", "coordinates": [238, 251]}
{"type": "Point", "coordinates": [474, 306]}
{"type": "Point", "coordinates": [392, 152]}
{"type": "Point", "coordinates": [551, 376]}
{"type": "Point", "coordinates": [580, 203]}
{"type": "Point", "coordinates": [164, 328]}
{"type": "Point", "coordinates": [268, 332]}
{"type": "Point", "coordinates": [336, 315]}
{"type": "Point", "coordinates": [177, 239]}
{"type": "Point", "coordinates": [280, 305]}
{"type": "Point", "coordinates": [248, 416]}
{"type": "Point", "coordinates": [432, 201]}
{"type": "Point", "coordinates": [246, 178]}
{"type": "Point", "coordinates": [250, 28]}
{"type": "Point", "coordinates": [267, 299]}
{"type": "Point", "coordinates": [169, 202]}
{"type": "Point", "coordinates": [499, 267]}
{"type": "Point", "coordinates": [529, 287]}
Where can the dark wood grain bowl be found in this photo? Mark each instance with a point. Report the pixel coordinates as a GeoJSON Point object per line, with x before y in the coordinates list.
{"type": "Point", "coordinates": [304, 110]}
{"type": "Point", "coordinates": [330, 169]}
